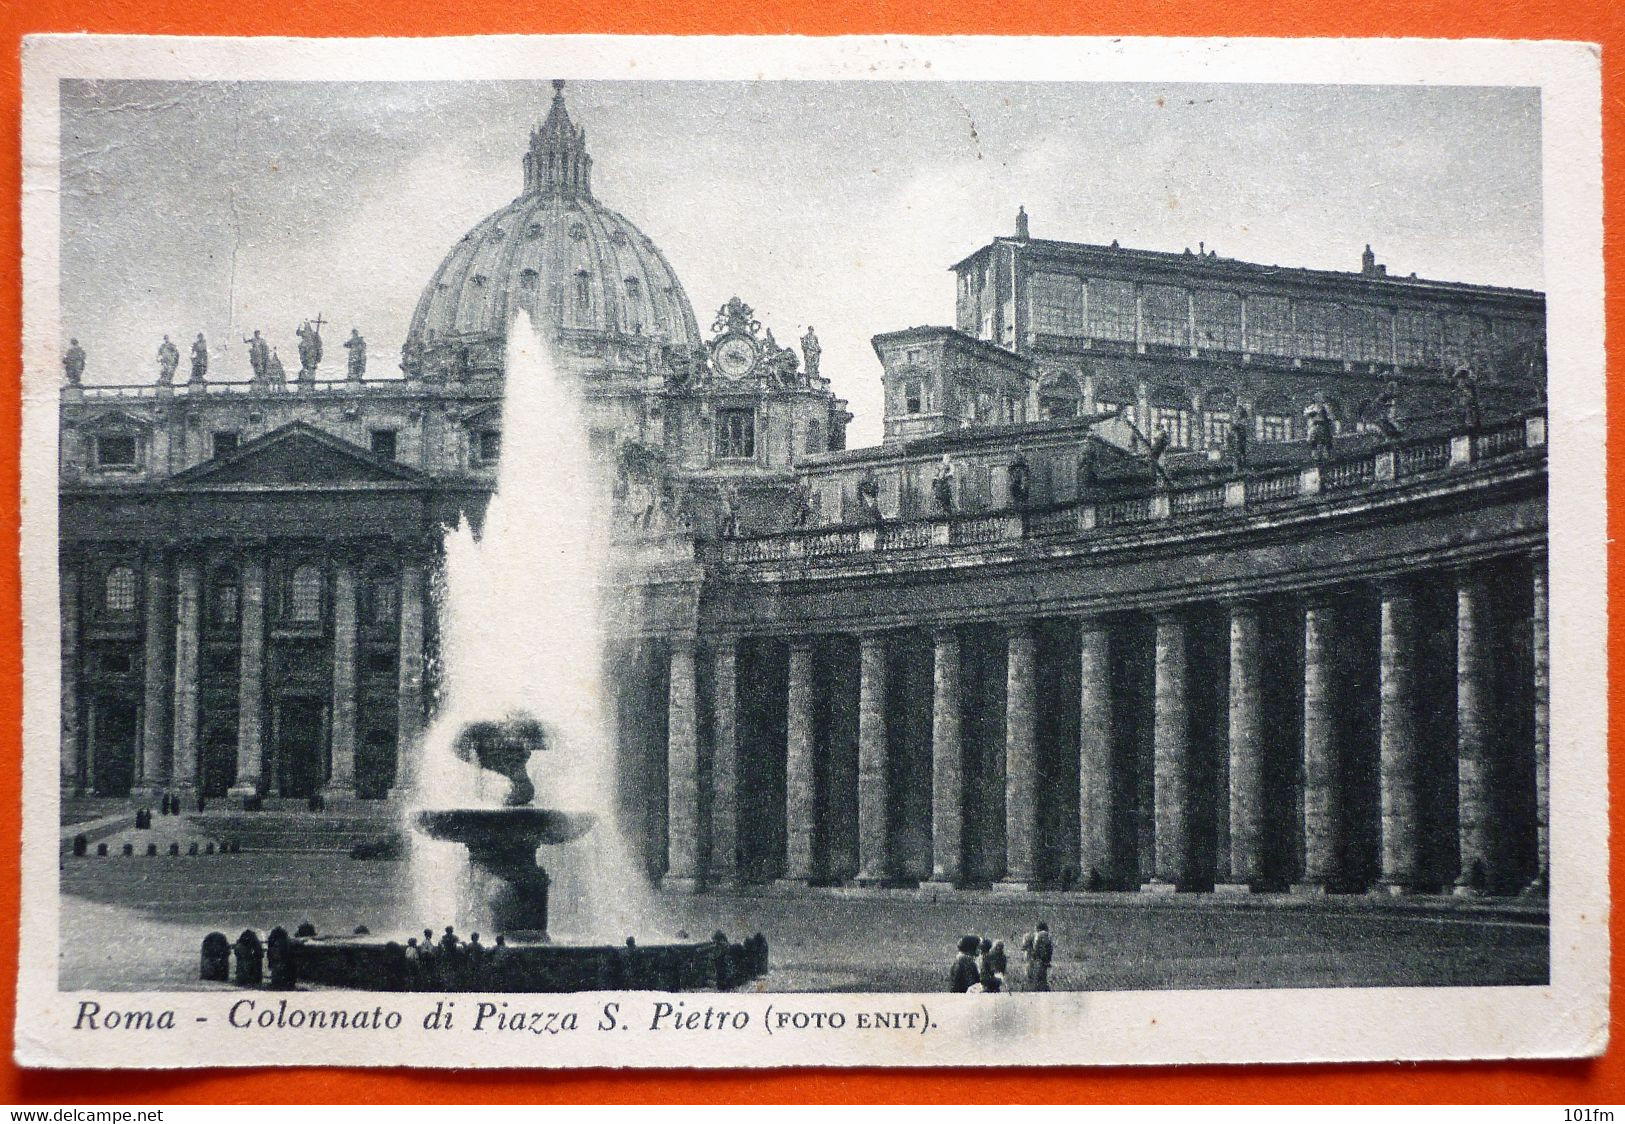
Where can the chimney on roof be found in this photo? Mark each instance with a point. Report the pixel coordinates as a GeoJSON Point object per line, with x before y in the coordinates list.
{"type": "Point", "coordinates": [1368, 264]}
{"type": "Point", "coordinates": [1021, 223]}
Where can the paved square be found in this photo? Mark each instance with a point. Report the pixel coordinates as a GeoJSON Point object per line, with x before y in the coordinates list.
{"type": "Point", "coordinates": [137, 923]}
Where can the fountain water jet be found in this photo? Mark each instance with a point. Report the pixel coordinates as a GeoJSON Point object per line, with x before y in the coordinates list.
{"type": "Point", "coordinates": [522, 641]}
{"type": "Point", "coordinates": [521, 649]}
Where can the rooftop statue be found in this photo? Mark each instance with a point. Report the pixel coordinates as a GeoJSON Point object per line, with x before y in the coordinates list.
{"type": "Point", "coordinates": [200, 358]}
{"type": "Point", "coordinates": [169, 358]}
{"type": "Point", "coordinates": [73, 363]}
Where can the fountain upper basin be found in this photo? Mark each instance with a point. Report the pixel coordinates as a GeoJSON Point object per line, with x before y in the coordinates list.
{"type": "Point", "coordinates": [533, 825]}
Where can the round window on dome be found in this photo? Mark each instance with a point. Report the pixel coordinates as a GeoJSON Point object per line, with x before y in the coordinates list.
{"type": "Point", "coordinates": [496, 234]}
{"type": "Point", "coordinates": [619, 238]}
{"type": "Point", "coordinates": [578, 232]}
{"type": "Point", "coordinates": [535, 230]}
{"type": "Point", "coordinates": [528, 278]}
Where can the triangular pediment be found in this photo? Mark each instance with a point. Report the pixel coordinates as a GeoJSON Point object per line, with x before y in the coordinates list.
{"type": "Point", "coordinates": [114, 421]}
{"type": "Point", "coordinates": [297, 453]}
{"type": "Point", "coordinates": [487, 415]}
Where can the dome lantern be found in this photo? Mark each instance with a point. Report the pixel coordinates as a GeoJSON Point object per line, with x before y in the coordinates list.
{"type": "Point", "coordinates": [557, 162]}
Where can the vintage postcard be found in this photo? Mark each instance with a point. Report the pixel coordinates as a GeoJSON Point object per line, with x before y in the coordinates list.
{"type": "Point", "coordinates": [756, 552]}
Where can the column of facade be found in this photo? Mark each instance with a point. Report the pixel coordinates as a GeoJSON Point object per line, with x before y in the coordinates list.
{"type": "Point", "coordinates": [1096, 826]}
{"type": "Point", "coordinates": [68, 594]}
{"type": "Point", "coordinates": [1540, 640]}
{"type": "Point", "coordinates": [1322, 767]}
{"type": "Point", "coordinates": [1474, 732]}
{"type": "Point", "coordinates": [1171, 756]}
{"type": "Point", "coordinates": [341, 775]}
{"type": "Point", "coordinates": [1246, 751]}
{"type": "Point", "coordinates": [251, 679]}
{"type": "Point", "coordinates": [724, 764]}
{"type": "Point", "coordinates": [188, 620]}
{"type": "Point", "coordinates": [1020, 758]}
{"type": "Point", "coordinates": [874, 842]}
{"type": "Point", "coordinates": [682, 770]}
{"type": "Point", "coordinates": [947, 763]}
{"type": "Point", "coordinates": [155, 676]}
{"type": "Point", "coordinates": [1400, 748]}
{"type": "Point", "coordinates": [800, 780]}
{"type": "Point", "coordinates": [409, 679]}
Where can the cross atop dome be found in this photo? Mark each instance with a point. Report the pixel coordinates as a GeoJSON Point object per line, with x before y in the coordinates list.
{"type": "Point", "coordinates": [557, 162]}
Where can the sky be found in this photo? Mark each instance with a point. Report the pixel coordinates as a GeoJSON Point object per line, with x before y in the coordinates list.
{"type": "Point", "coordinates": [225, 207]}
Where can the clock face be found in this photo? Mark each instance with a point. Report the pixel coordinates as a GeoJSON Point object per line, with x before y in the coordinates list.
{"type": "Point", "coordinates": [735, 356]}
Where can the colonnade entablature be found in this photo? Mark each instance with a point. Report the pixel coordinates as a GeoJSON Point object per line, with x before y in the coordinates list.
{"type": "Point", "coordinates": [1342, 687]}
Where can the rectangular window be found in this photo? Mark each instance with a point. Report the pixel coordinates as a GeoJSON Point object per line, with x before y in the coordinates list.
{"type": "Point", "coordinates": [1167, 316]}
{"type": "Point", "coordinates": [913, 397]}
{"type": "Point", "coordinates": [383, 443]}
{"type": "Point", "coordinates": [1269, 325]}
{"type": "Point", "coordinates": [1418, 334]}
{"type": "Point", "coordinates": [736, 434]}
{"type": "Point", "coordinates": [1320, 330]}
{"type": "Point", "coordinates": [115, 452]}
{"type": "Point", "coordinates": [225, 441]}
{"type": "Point", "coordinates": [1058, 304]}
{"type": "Point", "coordinates": [1215, 427]}
{"type": "Point", "coordinates": [1274, 427]}
{"type": "Point", "coordinates": [1176, 421]}
{"type": "Point", "coordinates": [487, 446]}
{"type": "Point", "coordinates": [1218, 320]}
{"type": "Point", "coordinates": [1367, 334]}
{"type": "Point", "coordinates": [1111, 310]}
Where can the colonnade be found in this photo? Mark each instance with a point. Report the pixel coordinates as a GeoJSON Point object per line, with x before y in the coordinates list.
{"type": "Point", "coordinates": [1386, 736]}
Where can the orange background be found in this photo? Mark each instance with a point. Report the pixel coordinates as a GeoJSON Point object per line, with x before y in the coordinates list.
{"type": "Point", "coordinates": [1573, 1083]}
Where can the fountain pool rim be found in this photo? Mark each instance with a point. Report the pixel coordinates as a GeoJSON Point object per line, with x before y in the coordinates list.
{"type": "Point", "coordinates": [544, 825]}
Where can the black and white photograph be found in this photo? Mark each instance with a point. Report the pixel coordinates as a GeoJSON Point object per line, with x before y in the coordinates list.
{"type": "Point", "coordinates": [867, 551]}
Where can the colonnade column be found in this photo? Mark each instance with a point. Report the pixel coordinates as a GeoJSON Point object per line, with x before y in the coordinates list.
{"type": "Point", "coordinates": [251, 679]}
{"type": "Point", "coordinates": [341, 778]}
{"type": "Point", "coordinates": [1020, 759]}
{"type": "Point", "coordinates": [1246, 750]}
{"type": "Point", "coordinates": [1322, 781]}
{"type": "Point", "coordinates": [1171, 756]}
{"type": "Point", "coordinates": [155, 677]}
{"type": "Point", "coordinates": [409, 679]}
{"type": "Point", "coordinates": [947, 763]}
{"type": "Point", "coordinates": [800, 782]}
{"type": "Point", "coordinates": [682, 770]}
{"type": "Point", "coordinates": [874, 844]}
{"type": "Point", "coordinates": [1096, 827]}
{"type": "Point", "coordinates": [1474, 732]}
{"type": "Point", "coordinates": [1399, 763]}
{"type": "Point", "coordinates": [188, 617]}
{"type": "Point", "coordinates": [68, 593]}
{"type": "Point", "coordinates": [1540, 639]}
{"type": "Point", "coordinates": [725, 764]}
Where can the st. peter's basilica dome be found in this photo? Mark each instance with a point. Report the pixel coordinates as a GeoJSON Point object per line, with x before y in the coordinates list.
{"type": "Point", "coordinates": [557, 253]}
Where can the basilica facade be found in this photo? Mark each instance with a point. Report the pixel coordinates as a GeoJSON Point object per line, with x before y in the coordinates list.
{"type": "Point", "coordinates": [1171, 572]}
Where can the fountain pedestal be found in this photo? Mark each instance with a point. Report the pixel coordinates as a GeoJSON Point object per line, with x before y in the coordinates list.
{"type": "Point", "coordinates": [502, 842]}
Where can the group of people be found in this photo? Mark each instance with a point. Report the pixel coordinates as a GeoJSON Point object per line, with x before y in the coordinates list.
{"type": "Point", "coordinates": [983, 966]}
{"type": "Point", "coordinates": [433, 964]}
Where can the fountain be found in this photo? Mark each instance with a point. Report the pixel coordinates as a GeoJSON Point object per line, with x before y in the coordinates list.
{"type": "Point", "coordinates": [502, 842]}
{"type": "Point", "coordinates": [521, 645]}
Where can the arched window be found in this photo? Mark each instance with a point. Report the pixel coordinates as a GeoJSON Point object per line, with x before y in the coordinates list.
{"type": "Point", "coordinates": [119, 595]}
{"type": "Point", "coordinates": [583, 290]}
{"type": "Point", "coordinates": [633, 289]}
{"type": "Point", "coordinates": [304, 601]}
{"type": "Point", "coordinates": [223, 597]}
